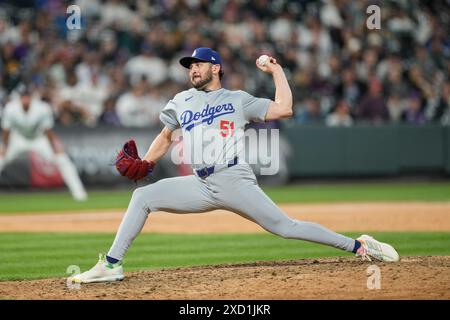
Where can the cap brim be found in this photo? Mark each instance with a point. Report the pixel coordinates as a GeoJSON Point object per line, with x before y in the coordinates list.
{"type": "Point", "coordinates": [187, 61]}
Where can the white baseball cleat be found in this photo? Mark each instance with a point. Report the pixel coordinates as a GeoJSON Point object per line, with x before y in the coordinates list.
{"type": "Point", "coordinates": [103, 271]}
{"type": "Point", "coordinates": [371, 248]}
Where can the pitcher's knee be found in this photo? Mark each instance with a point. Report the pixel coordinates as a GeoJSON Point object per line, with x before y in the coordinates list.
{"type": "Point", "coordinates": [137, 195]}
{"type": "Point", "coordinates": [142, 198]}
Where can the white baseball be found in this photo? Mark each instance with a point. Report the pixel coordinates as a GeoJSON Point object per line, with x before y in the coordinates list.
{"type": "Point", "coordinates": [262, 60]}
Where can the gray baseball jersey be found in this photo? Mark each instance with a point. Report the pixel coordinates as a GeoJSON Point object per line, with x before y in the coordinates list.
{"type": "Point", "coordinates": [214, 117]}
{"type": "Point", "coordinates": [233, 188]}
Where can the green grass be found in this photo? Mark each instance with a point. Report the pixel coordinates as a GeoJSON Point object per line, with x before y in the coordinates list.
{"type": "Point", "coordinates": [60, 201]}
{"type": "Point", "coordinates": [376, 192]}
{"type": "Point", "coordinates": [44, 255]}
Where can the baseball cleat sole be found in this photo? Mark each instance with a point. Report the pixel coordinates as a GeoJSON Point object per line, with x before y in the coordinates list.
{"type": "Point", "coordinates": [103, 279]}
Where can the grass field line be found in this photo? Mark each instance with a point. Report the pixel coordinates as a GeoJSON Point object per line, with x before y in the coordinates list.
{"type": "Point", "coordinates": [305, 194]}
{"type": "Point", "coordinates": [398, 216]}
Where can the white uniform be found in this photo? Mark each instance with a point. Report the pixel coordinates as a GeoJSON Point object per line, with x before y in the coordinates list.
{"type": "Point", "coordinates": [27, 133]}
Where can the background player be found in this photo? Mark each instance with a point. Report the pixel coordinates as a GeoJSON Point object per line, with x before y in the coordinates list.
{"type": "Point", "coordinates": [226, 183]}
{"type": "Point", "coordinates": [27, 126]}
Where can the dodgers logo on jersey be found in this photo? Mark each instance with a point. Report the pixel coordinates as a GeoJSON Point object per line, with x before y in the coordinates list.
{"type": "Point", "coordinates": [191, 119]}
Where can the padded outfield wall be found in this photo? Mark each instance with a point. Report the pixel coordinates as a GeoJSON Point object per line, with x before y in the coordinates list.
{"type": "Point", "coordinates": [363, 150]}
{"type": "Point", "coordinates": [306, 151]}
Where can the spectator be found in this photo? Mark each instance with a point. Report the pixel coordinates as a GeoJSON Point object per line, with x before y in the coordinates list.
{"type": "Point", "coordinates": [402, 26]}
{"type": "Point", "coordinates": [424, 59]}
{"type": "Point", "coordinates": [311, 114]}
{"type": "Point", "coordinates": [413, 112]}
{"type": "Point", "coordinates": [148, 65]}
{"type": "Point", "coordinates": [323, 46]}
{"type": "Point", "coordinates": [341, 115]}
{"type": "Point", "coordinates": [350, 89]}
{"type": "Point", "coordinates": [394, 83]}
{"type": "Point", "coordinates": [10, 66]}
{"type": "Point", "coordinates": [115, 12]}
{"type": "Point", "coordinates": [109, 115]}
{"type": "Point", "coordinates": [69, 109]}
{"type": "Point", "coordinates": [396, 106]}
{"type": "Point", "coordinates": [135, 108]}
{"type": "Point", "coordinates": [92, 94]}
{"type": "Point", "coordinates": [419, 82]}
{"type": "Point", "coordinates": [442, 111]}
{"type": "Point", "coordinates": [373, 107]}
{"type": "Point", "coordinates": [313, 35]}
{"type": "Point", "coordinates": [367, 66]}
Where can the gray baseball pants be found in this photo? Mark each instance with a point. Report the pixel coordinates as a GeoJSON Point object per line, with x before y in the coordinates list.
{"type": "Point", "coordinates": [234, 189]}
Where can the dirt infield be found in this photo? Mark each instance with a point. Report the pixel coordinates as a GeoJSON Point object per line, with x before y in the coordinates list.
{"type": "Point", "coordinates": [331, 278]}
{"type": "Point", "coordinates": [411, 216]}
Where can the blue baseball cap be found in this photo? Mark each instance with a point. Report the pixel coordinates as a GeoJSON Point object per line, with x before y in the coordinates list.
{"type": "Point", "coordinates": [203, 55]}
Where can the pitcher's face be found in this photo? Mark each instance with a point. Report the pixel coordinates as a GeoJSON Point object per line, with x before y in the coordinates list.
{"type": "Point", "coordinates": [200, 74]}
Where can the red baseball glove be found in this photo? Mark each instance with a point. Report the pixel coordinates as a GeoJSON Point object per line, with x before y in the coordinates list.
{"type": "Point", "coordinates": [130, 165]}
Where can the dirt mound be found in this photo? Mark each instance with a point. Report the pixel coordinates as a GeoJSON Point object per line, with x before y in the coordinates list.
{"type": "Point", "coordinates": [331, 278]}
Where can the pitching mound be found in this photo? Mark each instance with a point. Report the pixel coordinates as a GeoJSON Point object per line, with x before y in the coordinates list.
{"type": "Point", "coordinates": [331, 278]}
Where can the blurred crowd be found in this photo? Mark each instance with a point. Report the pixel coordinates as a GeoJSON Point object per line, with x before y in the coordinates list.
{"type": "Point", "coordinates": [122, 66]}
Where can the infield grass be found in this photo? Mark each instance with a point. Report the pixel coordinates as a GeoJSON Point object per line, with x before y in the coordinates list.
{"type": "Point", "coordinates": [45, 255]}
{"type": "Point", "coordinates": [358, 192]}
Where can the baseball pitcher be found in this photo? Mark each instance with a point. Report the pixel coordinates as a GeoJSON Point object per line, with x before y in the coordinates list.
{"type": "Point", "coordinates": [223, 180]}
